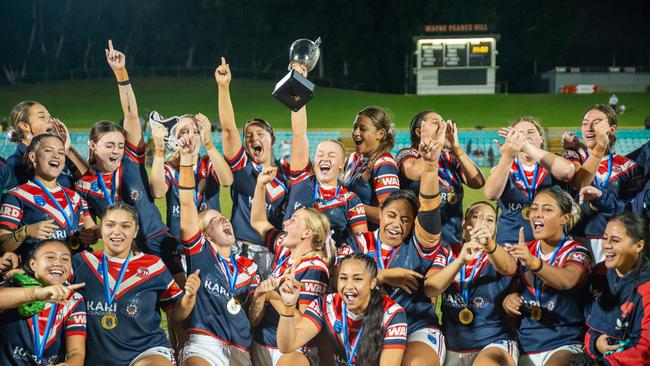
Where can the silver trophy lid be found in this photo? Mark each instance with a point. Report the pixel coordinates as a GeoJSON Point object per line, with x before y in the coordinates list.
{"type": "Point", "coordinates": [305, 52]}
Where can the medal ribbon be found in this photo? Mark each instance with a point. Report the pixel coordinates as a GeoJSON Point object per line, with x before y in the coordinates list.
{"type": "Point", "coordinates": [110, 199]}
{"type": "Point", "coordinates": [446, 175]}
{"type": "Point", "coordinates": [69, 220]}
{"type": "Point", "coordinates": [536, 283]}
{"type": "Point", "coordinates": [464, 285]}
{"type": "Point", "coordinates": [349, 353]}
{"type": "Point", "coordinates": [258, 168]}
{"type": "Point", "coordinates": [232, 277]}
{"type": "Point", "coordinates": [278, 264]}
{"type": "Point", "coordinates": [355, 170]}
{"type": "Point", "coordinates": [379, 258]}
{"type": "Point", "coordinates": [602, 184]}
{"type": "Point", "coordinates": [317, 196]}
{"type": "Point", "coordinates": [110, 294]}
{"type": "Point", "coordinates": [532, 187]}
{"type": "Point", "coordinates": [39, 347]}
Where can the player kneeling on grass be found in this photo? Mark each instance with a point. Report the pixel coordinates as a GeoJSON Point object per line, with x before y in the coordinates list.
{"type": "Point", "coordinates": [365, 327]}
{"type": "Point", "coordinates": [473, 278]}
{"type": "Point", "coordinates": [218, 327]}
{"type": "Point", "coordinates": [42, 318]}
{"type": "Point", "coordinates": [125, 291]}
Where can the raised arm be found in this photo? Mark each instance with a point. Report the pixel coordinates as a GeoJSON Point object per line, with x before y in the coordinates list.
{"type": "Point", "coordinates": [259, 220]}
{"type": "Point", "coordinates": [299, 141]}
{"type": "Point", "coordinates": [560, 168]}
{"type": "Point", "coordinates": [157, 173]}
{"type": "Point", "coordinates": [292, 333]}
{"type": "Point", "coordinates": [503, 262]}
{"type": "Point", "coordinates": [190, 222]}
{"type": "Point", "coordinates": [132, 128]}
{"type": "Point", "coordinates": [438, 280]}
{"type": "Point", "coordinates": [79, 162]}
{"type": "Point", "coordinates": [221, 169]}
{"type": "Point", "coordinates": [13, 297]}
{"type": "Point", "coordinates": [472, 175]}
{"type": "Point", "coordinates": [498, 178]}
{"type": "Point", "coordinates": [229, 133]}
{"type": "Point", "coordinates": [585, 174]}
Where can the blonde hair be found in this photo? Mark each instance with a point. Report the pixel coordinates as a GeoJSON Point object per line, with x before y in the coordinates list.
{"type": "Point", "coordinates": [176, 155]}
{"type": "Point", "coordinates": [319, 225]}
{"type": "Point", "coordinates": [202, 214]}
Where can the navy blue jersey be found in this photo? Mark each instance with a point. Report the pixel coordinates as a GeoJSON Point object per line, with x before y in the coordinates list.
{"type": "Point", "coordinates": [29, 204]}
{"type": "Point", "coordinates": [382, 178]}
{"type": "Point", "coordinates": [326, 312]}
{"type": "Point", "coordinates": [18, 173]}
{"type": "Point", "coordinates": [411, 255]}
{"type": "Point", "coordinates": [132, 187]}
{"type": "Point", "coordinates": [17, 342]}
{"type": "Point", "coordinates": [5, 177]}
{"type": "Point", "coordinates": [245, 171]}
{"type": "Point", "coordinates": [146, 288]}
{"type": "Point", "coordinates": [515, 198]}
{"type": "Point", "coordinates": [342, 207]}
{"type": "Point", "coordinates": [312, 273]}
{"type": "Point", "coordinates": [621, 182]}
{"type": "Point", "coordinates": [450, 178]}
{"type": "Point", "coordinates": [206, 192]}
{"type": "Point", "coordinates": [562, 321]}
{"type": "Point", "coordinates": [210, 315]}
{"type": "Point", "coordinates": [485, 296]}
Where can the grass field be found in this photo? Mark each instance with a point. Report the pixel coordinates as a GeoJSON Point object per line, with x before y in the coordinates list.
{"type": "Point", "coordinates": [80, 103]}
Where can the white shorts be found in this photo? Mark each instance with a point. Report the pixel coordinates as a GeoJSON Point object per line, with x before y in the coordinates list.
{"type": "Point", "coordinates": [168, 353]}
{"type": "Point", "coordinates": [541, 358]}
{"type": "Point", "coordinates": [467, 358]}
{"type": "Point", "coordinates": [214, 351]}
{"type": "Point", "coordinates": [269, 356]}
{"type": "Point", "coordinates": [432, 337]}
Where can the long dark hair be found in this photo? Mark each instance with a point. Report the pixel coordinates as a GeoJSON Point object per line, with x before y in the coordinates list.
{"type": "Point", "coordinates": [30, 169]}
{"type": "Point", "coordinates": [32, 254]}
{"type": "Point", "coordinates": [20, 113]}
{"type": "Point", "coordinates": [372, 339]}
{"type": "Point", "coordinates": [566, 203]}
{"type": "Point", "coordinates": [403, 194]}
{"type": "Point", "coordinates": [637, 227]}
{"type": "Point", "coordinates": [416, 122]}
{"type": "Point", "coordinates": [98, 130]}
{"type": "Point", "coordinates": [123, 206]}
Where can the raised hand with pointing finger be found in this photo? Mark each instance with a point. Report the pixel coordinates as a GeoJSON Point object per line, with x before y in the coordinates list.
{"type": "Point", "coordinates": [222, 73]}
{"type": "Point", "coordinates": [116, 59]}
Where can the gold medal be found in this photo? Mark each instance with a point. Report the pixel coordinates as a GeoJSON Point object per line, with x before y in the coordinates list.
{"type": "Point", "coordinates": [452, 197]}
{"type": "Point", "coordinates": [465, 316]}
{"type": "Point", "coordinates": [109, 321]}
{"type": "Point", "coordinates": [536, 312]}
{"type": "Point", "coordinates": [233, 306]}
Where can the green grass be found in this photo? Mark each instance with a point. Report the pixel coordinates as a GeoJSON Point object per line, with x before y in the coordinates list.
{"type": "Point", "coordinates": [80, 103]}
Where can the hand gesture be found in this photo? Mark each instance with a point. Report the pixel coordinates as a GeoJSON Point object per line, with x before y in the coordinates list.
{"type": "Point", "coordinates": [266, 286]}
{"type": "Point", "coordinates": [521, 252]}
{"type": "Point", "coordinates": [158, 134]}
{"type": "Point", "coordinates": [403, 278]}
{"type": "Point", "coordinates": [514, 143]}
{"type": "Point", "coordinates": [56, 293]}
{"type": "Point", "coordinates": [266, 175]}
{"type": "Point", "coordinates": [602, 130]}
{"type": "Point", "coordinates": [603, 345]}
{"type": "Point", "coordinates": [589, 193]}
{"type": "Point", "coordinates": [480, 233]}
{"type": "Point", "coordinates": [41, 230]}
{"type": "Point", "coordinates": [222, 73]}
{"type": "Point", "coordinates": [192, 285]}
{"type": "Point", "coordinates": [512, 304]}
{"type": "Point", "coordinates": [290, 291]}
{"type": "Point", "coordinates": [570, 141]}
{"type": "Point", "coordinates": [63, 133]}
{"type": "Point", "coordinates": [302, 69]}
{"type": "Point", "coordinates": [89, 236]}
{"type": "Point", "coordinates": [187, 145]}
{"type": "Point", "coordinates": [116, 59]}
{"type": "Point", "coordinates": [469, 252]}
{"type": "Point", "coordinates": [205, 128]}
{"type": "Point", "coordinates": [9, 261]}
{"type": "Point", "coordinates": [451, 134]}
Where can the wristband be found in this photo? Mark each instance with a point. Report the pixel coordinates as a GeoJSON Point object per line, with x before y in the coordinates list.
{"type": "Point", "coordinates": [187, 166]}
{"type": "Point", "coordinates": [493, 250]}
{"type": "Point", "coordinates": [288, 311]}
{"type": "Point", "coordinates": [121, 76]}
{"type": "Point", "coordinates": [124, 83]}
{"type": "Point", "coordinates": [541, 265]}
{"type": "Point", "coordinates": [209, 145]}
{"type": "Point", "coordinates": [429, 196]}
{"type": "Point", "coordinates": [599, 151]}
{"type": "Point", "coordinates": [160, 153]}
{"type": "Point", "coordinates": [185, 188]}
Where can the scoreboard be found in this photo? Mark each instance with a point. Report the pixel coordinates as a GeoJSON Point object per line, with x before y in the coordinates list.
{"type": "Point", "coordinates": [456, 65]}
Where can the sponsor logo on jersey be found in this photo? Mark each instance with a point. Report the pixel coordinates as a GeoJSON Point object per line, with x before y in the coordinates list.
{"type": "Point", "coordinates": [100, 307]}
{"type": "Point", "coordinates": [397, 331]}
{"type": "Point", "coordinates": [143, 272]}
{"type": "Point", "coordinates": [40, 200]}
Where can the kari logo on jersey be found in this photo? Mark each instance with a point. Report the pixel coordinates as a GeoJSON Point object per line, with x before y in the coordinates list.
{"type": "Point", "coordinates": [215, 288]}
{"type": "Point", "coordinates": [513, 206]}
{"type": "Point", "coordinates": [100, 308]}
{"type": "Point", "coordinates": [21, 353]}
{"type": "Point", "coordinates": [176, 211]}
{"type": "Point", "coordinates": [59, 235]}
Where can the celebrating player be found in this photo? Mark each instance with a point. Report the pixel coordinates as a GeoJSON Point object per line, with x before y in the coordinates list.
{"type": "Point", "coordinates": [371, 172]}
{"type": "Point", "coordinates": [124, 293]}
{"type": "Point", "coordinates": [523, 169]}
{"type": "Point", "coordinates": [210, 171]}
{"type": "Point", "coordinates": [552, 273]}
{"type": "Point", "coordinates": [29, 119]}
{"type": "Point", "coordinates": [473, 278]}
{"type": "Point", "coordinates": [41, 208]}
{"type": "Point", "coordinates": [220, 332]}
{"type": "Point", "coordinates": [365, 327]}
{"type": "Point", "coordinates": [300, 252]}
{"type": "Point", "coordinates": [43, 319]}
{"type": "Point", "coordinates": [455, 168]}
{"type": "Point", "coordinates": [617, 316]}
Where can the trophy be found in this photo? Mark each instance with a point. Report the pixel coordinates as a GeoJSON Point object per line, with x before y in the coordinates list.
{"type": "Point", "coordinates": [294, 90]}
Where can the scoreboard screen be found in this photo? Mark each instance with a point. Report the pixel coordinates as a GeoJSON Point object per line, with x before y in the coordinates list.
{"type": "Point", "coordinates": [456, 52]}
